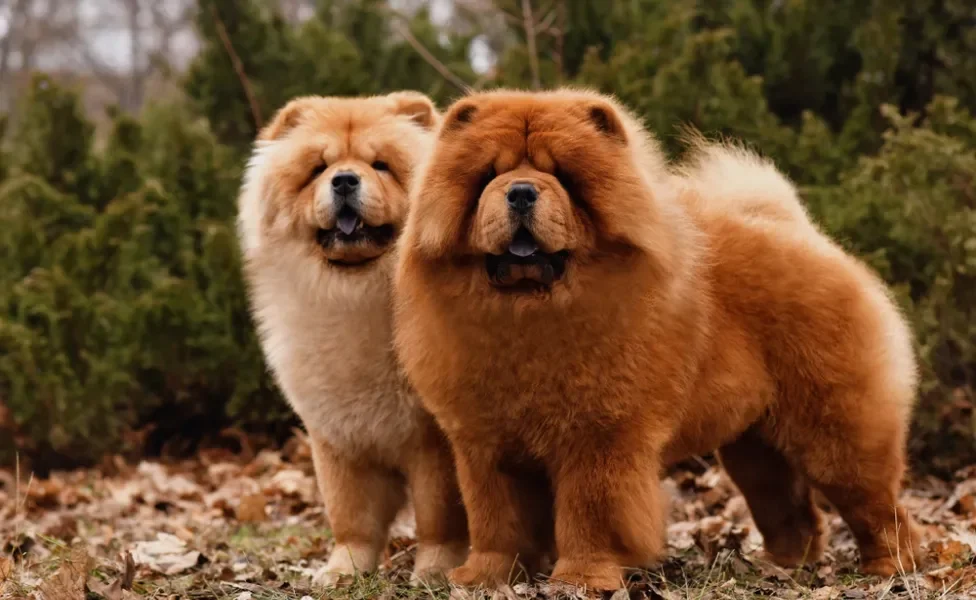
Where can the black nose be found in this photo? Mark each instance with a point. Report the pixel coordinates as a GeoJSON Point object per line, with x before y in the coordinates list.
{"type": "Point", "coordinates": [345, 182]}
{"type": "Point", "coordinates": [521, 197]}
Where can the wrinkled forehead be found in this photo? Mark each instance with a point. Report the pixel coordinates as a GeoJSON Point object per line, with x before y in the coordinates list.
{"type": "Point", "coordinates": [350, 129]}
{"type": "Point", "coordinates": [519, 116]}
{"type": "Point", "coordinates": [516, 129]}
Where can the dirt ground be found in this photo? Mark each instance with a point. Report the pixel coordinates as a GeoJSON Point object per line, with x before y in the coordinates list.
{"type": "Point", "coordinates": [250, 527]}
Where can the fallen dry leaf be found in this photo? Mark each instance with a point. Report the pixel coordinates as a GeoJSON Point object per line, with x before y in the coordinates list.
{"type": "Point", "coordinates": [709, 479]}
{"type": "Point", "coordinates": [170, 485]}
{"type": "Point", "coordinates": [223, 471]}
{"type": "Point", "coordinates": [504, 592]}
{"type": "Point", "coordinates": [6, 568]}
{"type": "Point", "coordinates": [107, 591]}
{"type": "Point", "coordinates": [967, 504]}
{"type": "Point", "coordinates": [681, 535]}
{"type": "Point", "coordinates": [825, 593]}
{"type": "Point", "coordinates": [167, 554]}
{"type": "Point", "coordinates": [940, 574]}
{"type": "Point", "coordinates": [461, 594]}
{"type": "Point", "coordinates": [183, 533]}
{"type": "Point", "coordinates": [229, 494]}
{"type": "Point", "coordinates": [295, 483]}
{"type": "Point", "coordinates": [964, 537]}
{"type": "Point", "coordinates": [252, 509]}
{"type": "Point", "coordinates": [948, 551]}
{"type": "Point", "coordinates": [68, 582]}
{"type": "Point", "coordinates": [948, 579]}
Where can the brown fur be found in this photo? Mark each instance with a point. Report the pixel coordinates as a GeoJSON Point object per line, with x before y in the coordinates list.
{"type": "Point", "coordinates": [699, 310]}
{"type": "Point", "coordinates": [326, 327]}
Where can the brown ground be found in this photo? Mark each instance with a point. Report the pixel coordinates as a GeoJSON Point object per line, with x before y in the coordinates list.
{"type": "Point", "coordinates": [246, 527]}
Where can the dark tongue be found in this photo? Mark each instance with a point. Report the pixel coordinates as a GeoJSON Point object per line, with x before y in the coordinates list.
{"type": "Point", "coordinates": [523, 244]}
{"type": "Point", "coordinates": [347, 220]}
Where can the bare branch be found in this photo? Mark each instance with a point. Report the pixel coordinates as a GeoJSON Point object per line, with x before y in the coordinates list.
{"type": "Point", "coordinates": [137, 81]}
{"type": "Point", "coordinates": [238, 68]}
{"type": "Point", "coordinates": [430, 58]}
{"type": "Point", "coordinates": [560, 37]}
{"type": "Point", "coordinates": [530, 39]}
{"type": "Point", "coordinates": [546, 23]}
{"type": "Point", "coordinates": [485, 78]}
{"type": "Point", "coordinates": [18, 14]}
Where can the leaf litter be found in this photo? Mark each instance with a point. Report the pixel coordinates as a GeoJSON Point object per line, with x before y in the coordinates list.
{"type": "Point", "coordinates": [251, 527]}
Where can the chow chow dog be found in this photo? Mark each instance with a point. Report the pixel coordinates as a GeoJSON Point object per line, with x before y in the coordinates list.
{"type": "Point", "coordinates": [323, 200]}
{"type": "Point", "coordinates": [578, 315]}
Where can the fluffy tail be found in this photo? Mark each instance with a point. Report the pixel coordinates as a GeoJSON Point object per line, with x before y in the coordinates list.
{"type": "Point", "coordinates": [726, 178]}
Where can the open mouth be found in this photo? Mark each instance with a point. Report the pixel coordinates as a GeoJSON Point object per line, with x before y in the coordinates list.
{"type": "Point", "coordinates": [352, 242]}
{"type": "Point", "coordinates": [524, 267]}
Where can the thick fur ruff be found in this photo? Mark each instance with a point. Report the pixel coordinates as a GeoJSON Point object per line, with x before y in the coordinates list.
{"type": "Point", "coordinates": [324, 313]}
{"type": "Point", "coordinates": [662, 312]}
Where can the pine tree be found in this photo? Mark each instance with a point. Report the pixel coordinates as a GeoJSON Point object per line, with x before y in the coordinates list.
{"type": "Point", "coordinates": [53, 141]}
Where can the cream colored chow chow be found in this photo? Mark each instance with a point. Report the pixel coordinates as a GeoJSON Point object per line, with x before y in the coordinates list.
{"type": "Point", "coordinates": [323, 200]}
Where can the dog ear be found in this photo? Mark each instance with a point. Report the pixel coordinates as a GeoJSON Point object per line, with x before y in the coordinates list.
{"type": "Point", "coordinates": [604, 116]}
{"type": "Point", "coordinates": [284, 120]}
{"type": "Point", "coordinates": [460, 114]}
{"type": "Point", "coordinates": [417, 106]}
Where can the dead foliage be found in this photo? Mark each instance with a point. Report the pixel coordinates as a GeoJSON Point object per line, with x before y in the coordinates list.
{"type": "Point", "coordinates": [251, 527]}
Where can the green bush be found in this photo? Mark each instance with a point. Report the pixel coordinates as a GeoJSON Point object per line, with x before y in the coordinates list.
{"type": "Point", "coordinates": [121, 303]}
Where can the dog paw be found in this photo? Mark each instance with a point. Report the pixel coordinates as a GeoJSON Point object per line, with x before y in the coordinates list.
{"type": "Point", "coordinates": [894, 556]}
{"type": "Point", "coordinates": [487, 569]}
{"type": "Point", "coordinates": [593, 575]}
{"type": "Point", "coordinates": [344, 563]}
{"type": "Point", "coordinates": [795, 547]}
{"type": "Point", "coordinates": [434, 561]}
{"type": "Point", "coordinates": [887, 567]}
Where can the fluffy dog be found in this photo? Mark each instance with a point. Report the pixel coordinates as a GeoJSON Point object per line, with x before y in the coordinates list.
{"type": "Point", "coordinates": [323, 200]}
{"type": "Point", "coordinates": [577, 316]}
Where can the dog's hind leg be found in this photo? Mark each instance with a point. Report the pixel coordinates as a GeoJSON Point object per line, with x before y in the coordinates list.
{"type": "Point", "coordinates": [779, 498]}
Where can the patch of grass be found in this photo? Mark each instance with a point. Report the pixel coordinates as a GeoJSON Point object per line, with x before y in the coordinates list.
{"type": "Point", "coordinates": [254, 538]}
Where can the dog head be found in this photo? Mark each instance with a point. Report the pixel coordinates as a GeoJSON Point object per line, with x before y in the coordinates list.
{"type": "Point", "coordinates": [328, 178]}
{"type": "Point", "coordinates": [539, 195]}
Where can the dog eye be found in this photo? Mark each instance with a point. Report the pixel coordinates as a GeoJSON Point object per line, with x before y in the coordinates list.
{"type": "Point", "coordinates": [480, 184]}
{"type": "Point", "coordinates": [379, 165]}
{"type": "Point", "coordinates": [572, 188]}
{"type": "Point", "coordinates": [486, 178]}
{"type": "Point", "coordinates": [318, 170]}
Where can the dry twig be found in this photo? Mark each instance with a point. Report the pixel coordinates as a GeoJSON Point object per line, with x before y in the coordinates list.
{"type": "Point", "coordinates": [431, 59]}
{"type": "Point", "coordinates": [529, 23]}
{"type": "Point", "coordinates": [238, 68]}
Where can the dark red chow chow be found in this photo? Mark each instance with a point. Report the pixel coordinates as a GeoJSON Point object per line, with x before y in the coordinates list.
{"type": "Point", "coordinates": [577, 315]}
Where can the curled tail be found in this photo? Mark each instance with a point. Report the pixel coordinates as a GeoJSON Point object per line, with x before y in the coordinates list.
{"type": "Point", "coordinates": [728, 179]}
